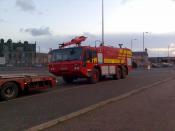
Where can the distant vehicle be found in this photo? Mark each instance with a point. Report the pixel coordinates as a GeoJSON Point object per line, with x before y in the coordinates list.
{"type": "Point", "coordinates": [12, 85]}
{"type": "Point", "coordinates": [156, 65]}
{"type": "Point", "coordinates": [93, 63]}
{"type": "Point", "coordinates": [164, 64]}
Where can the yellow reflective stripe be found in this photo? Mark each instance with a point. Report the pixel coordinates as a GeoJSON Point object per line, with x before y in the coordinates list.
{"type": "Point", "coordinates": [112, 61]}
{"type": "Point", "coordinates": [122, 61]}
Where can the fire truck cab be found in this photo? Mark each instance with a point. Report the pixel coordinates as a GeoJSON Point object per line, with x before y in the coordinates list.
{"type": "Point", "coordinates": [88, 62]}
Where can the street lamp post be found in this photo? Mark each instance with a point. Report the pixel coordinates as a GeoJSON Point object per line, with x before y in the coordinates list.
{"type": "Point", "coordinates": [132, 42]}
{"type": "Point", "coordinates": [102, 23]}
{"type": "Point", "coordinates": [144, 40]}
{"type": "Point", "coordinates": [169, 51]}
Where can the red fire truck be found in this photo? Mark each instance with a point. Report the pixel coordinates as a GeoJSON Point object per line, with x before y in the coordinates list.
{"type": "Point", "coordinates": [93, 63]}
{"type": "Point", "coordinates": [13, 84]}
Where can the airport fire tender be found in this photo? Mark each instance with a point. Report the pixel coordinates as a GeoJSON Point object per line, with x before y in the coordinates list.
{"type": "Point", "coordinates": [93, 63]}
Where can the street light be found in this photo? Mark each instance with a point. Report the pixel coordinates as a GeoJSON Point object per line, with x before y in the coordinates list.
{"type": "Point", "coordinates": [169, 49]}
{"type": "Point", "coordinates": [102, 23]}
{"type": "Point", "coordinates": [132, 42]}
{"type": "Point", "coordinates": [144, 40]}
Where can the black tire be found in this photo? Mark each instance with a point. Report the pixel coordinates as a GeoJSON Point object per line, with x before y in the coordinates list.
{"type": "Point", "coordinates": [95, 76]}
{"type": "Point", "coordinates": [124, 73]}
{"type": "Point", "coordinates": [68, 80]}
{"type": "Point", "coordinates": [9, 91]}
{"type": "Point", "coordinates": [118, 74]}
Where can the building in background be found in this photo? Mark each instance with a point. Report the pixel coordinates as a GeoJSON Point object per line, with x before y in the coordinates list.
{"type": "Point", "coordinates": [140, 59]}
{"type": "Point", "coordinates": [17, 54]}
{"type": "Point", "coordinates": [41, 59]}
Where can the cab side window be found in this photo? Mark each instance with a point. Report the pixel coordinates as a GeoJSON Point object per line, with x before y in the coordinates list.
{"type": "Point", "coordinates": [94, 53]}
{"type": "Point", "coordinates": [89, 55]}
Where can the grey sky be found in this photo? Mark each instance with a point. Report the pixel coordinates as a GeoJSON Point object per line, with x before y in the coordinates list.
{"type": "Point", "coordinates": [50, 22]}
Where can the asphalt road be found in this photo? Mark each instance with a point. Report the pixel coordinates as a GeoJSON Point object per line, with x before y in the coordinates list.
{"type": "Point", "coordinates": [25, 112]}
{"type": "Point", "coordinates": [148, 110]}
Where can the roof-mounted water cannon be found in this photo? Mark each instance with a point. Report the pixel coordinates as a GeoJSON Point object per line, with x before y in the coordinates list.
{"type": "Point", "coordinates": [77, 41]}
{"type": "Point", "coordinates": [120, 45]}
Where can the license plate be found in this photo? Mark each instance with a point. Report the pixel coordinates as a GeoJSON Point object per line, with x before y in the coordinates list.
{"type": "Point", "coordinates": [64, 68]}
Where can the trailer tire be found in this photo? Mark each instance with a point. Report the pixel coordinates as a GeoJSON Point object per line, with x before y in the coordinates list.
{"type": "Point", "coordinates": [95, 76]}
{"type": "Point", "coordinates": [68, 80]}
{"type": "Point", "coordinates": [9, 91]}
{"type": "Point", "coordinates": [124, 72]}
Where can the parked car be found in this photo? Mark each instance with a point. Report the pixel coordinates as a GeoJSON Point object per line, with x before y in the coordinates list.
{"type": "Point", "coordinates": [164, 64]}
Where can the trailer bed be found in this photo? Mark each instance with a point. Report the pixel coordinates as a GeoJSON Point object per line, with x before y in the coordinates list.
{"type": "Point", "coordinates": [12, 84]}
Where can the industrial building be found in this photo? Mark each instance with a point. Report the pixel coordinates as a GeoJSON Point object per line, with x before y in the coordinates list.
{"type": "Point", "coordinates": [140, 59]}
{"type": "Point", "coordinates": [17, 54]}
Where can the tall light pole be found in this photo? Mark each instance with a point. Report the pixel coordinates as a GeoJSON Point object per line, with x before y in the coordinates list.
{"type": "Point", "coordinates": [144, 40]}
{"type": "Point", "coordinates": [102, 23]}
{"type": "Point", "coordinates": [132, 42]}
{"type": "Point", "coordinates": [168, 51]}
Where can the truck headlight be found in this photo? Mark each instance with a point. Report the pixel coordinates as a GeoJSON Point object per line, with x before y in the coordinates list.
{"type": "Point", "coordinates": [76, 67]}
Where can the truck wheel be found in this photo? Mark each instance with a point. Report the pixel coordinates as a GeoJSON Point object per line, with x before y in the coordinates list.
{"type": "Point", "coordinates": [9, 91]}
{"type": "Point", "coordinates": [68, 80]}
{"type": "Point", "coordinates": [118, 74]}
{"type": "Point", "coordinates": [95, 76]}
{"type": "Point", "coordinates": [124, 73]}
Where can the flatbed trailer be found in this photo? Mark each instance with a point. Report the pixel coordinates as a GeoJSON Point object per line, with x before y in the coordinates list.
{"type": "Point", "coordinates": [13, 84]}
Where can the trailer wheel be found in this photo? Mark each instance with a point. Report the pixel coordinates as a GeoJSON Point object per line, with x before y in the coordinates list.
{"type": "Point", "coordinates": [9, 91]}
{"type": "Point", "coordinates": [124, 73]}
{"type": "Point", "coordinates": [95, 76]}
{"type": "Point", "coordinates": [118, 74]}
{"type": "Point", "coordinates": [68, 80]}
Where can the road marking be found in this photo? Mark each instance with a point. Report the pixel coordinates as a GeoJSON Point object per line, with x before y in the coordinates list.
{"type": "Point", "coordinates": [93, 107]}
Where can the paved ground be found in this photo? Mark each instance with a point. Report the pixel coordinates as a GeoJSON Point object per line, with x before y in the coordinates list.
{"type": "Point", "coordinates": [150, 110]}
{"type": "Point", "coordinates": [32, 110]}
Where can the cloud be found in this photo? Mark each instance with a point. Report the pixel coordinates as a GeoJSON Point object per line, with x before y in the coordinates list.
{"type": "Point", "coordinates": [2, 20]}
{"type": "Point", "coordinates": [125, 1]}
{"type": "Point", "coordinates": [26, 5]}
{"type": "Point", "coordinates": [42, 31]}
{"type": "Point", "coordinates": [40, 13]}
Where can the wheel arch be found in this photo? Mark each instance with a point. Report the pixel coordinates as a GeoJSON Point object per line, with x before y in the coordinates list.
{"type": "Point", "coordinates": [98, 68]}
{"type": "Point", "coordinates": [126, 67]}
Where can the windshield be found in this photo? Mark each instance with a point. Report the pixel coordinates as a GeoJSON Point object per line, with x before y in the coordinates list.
{"type": "Point", "coordinates": [66, 54]}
